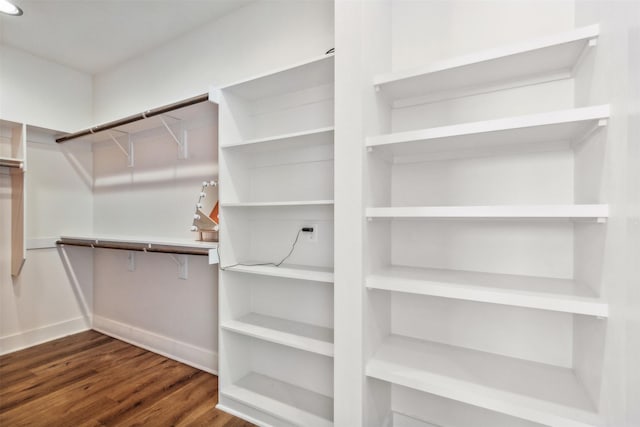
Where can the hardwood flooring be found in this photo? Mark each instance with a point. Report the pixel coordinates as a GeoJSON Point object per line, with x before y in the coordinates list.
{"type": "Point", "coordinates": [89, 379]}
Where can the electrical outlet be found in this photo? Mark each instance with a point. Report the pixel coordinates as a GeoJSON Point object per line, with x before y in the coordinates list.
{"type": "Point", "coordinates": [310, 236]}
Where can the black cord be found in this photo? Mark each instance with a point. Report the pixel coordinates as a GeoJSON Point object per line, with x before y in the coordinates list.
{"type": "Point", "coordinates": [278, 264]}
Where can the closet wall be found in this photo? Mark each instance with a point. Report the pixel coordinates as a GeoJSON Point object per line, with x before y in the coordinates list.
{"type": "Point", "coordinates": [45, 301]}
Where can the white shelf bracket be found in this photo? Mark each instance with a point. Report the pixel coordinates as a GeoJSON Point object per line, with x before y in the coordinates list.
{"type": "Point", "coordinates": [183, 265]}
{"type": "Point", "coordinates": [213, 256]}
{"type": "Point", "coordinates": [590, 44]}
{"type": "Point", "coordinates": [589, 133]}
{"type": "Point", "coordinates": [131, 261]}
{"type": "Point", "coordinates": [129, 152]}
{"type": "Point", "coordinates": [181, 142]}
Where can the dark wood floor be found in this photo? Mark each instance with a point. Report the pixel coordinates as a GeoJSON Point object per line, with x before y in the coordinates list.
{"type": "Point", "coordinates": [90, 379]}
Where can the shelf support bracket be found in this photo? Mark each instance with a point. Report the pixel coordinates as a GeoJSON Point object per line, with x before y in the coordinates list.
{"type": "Point", "coordinates": [183, 265]}
{"type": "Point", "coordinates": [128, 153]}
{"type": "Point", "coordinates": [181, 142]}
{"type": "Point", "coordinates": [590, 132]}
{"type": "Point", "coordinates": [591, 43]}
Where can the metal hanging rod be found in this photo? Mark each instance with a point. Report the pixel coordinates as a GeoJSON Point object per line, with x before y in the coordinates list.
{"type": "Point", "coordinates": [139, 247]}
{"type": "Point", "coordinates": [134, 118]}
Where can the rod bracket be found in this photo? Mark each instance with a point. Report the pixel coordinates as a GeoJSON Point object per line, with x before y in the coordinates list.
{"type": "Point", "coordinates": [183, 152]}
{"type": "Point", "coordinates": [129, 152]}
{"type": "Point", "coordinates": [183, 265]}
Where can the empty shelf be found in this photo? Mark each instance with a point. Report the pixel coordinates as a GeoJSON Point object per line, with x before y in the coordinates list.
{"type": "Point", "coordinates": [303, 336]}
{"type": "Point", "coordinates": [537, 392]}
{"type": "Point", "coordinates": [510, 211]}
{"type": "Point", "coordinates": [312, 73]}
{"type": "Point", "coordinates": [564, 125]}
{"type": "Point", "coordinates": [179, 246]}
{"type": "Point", "coordinates": [507, 289]}
{"type": "Point", "coordinates": [303, 272]}
{"type": "Point", "coordinates": [282, 400]}
{"type": "Point", "coordinates": [313, 137]}
{"type": "Point", "coordinates": [555, 55]}
{"type": "Point", "coordinates": [397, 419]}
{"type": "Point", "coordinates": [278, 204]}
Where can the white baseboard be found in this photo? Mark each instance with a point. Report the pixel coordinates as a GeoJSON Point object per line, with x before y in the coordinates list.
{"type": "Point", "coordinates": [43, 334]}
{"type": "Point", "coordinates": [198, 357]}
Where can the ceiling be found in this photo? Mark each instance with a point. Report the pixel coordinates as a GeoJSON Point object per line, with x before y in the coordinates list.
{"type": "Point", "coordinates": [95, 35]}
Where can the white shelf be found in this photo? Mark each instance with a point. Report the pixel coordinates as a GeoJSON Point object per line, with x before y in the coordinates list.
{"type": "Point", "coordinates": [294, 404]}
{"type": "Point", "coordinates": [289, 271]}
{"type": "Point", "coordinates": [311, 137]}
{"type": "Point", "coordinates": [598, 212]}
{"type": "Point", "coordinates": [553, 56]}
{"type": "Point", "coordinates": [314, 72]}
{"type": "Point", "coordinates": [11, 162]}
{"type": "Point", "coordinates": [537, 392]}
{"type": "Point", "coordinates": [520, 291]}
{"type": "Point", "coordinates": [564, 125]}
{"type": "Point", "coordinates": [303, 336]}
{"type": "Point", "coordinates": [397, 419]}
{"type": "Point", "coordinates": [278, 204]}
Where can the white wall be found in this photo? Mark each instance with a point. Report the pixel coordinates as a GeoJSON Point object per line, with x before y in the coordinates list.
{"type": "Point", "coordinates": [612, 76]}
{"type": "Point", "coordinates": [257, 38]}
{"type": "Point", "coordinates": [48, 299]}
{"type": "Point", "coordinates": [42, 93]}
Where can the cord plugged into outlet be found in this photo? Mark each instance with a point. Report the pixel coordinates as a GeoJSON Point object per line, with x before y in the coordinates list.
{"type": "Point", "coordinates": [310, 233]}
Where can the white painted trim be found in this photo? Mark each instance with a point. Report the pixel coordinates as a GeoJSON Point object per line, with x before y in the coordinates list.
{"type": "Point", "coordinates": [239, 414]}
{"type": "Point", "coordinates": [31, 337]}
{"type": "Point", "coordinates": [42, 243]}
{"type": "Point", "coordinates": [198, 357]}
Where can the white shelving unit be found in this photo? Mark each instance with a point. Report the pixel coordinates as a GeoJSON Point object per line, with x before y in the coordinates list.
{"type": "Point", "coordinates": [479, 232]}
{"type": "Point", "coordinates": [276, 176]}
{"type": "Point", "coordinates": [13, 158]}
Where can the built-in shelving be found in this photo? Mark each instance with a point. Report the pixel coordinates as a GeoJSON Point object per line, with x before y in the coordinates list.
{"type": "Point", "coordinates": [541, 393]}
{"type": "Point", "coordinates": [563, 125]}
{"type": "Point", "coordinates": [292, 203]}
{"type": "Point", "coordinates": [302, 272]}
{"type": "Point", "coordinates": [397, 419]}
{"type": "Point", "coordinates": [282, 400]}
{"type": "Point", "coordinates": [302, 336]}
{"type": "Point", "coordinates": [319, 136]}
{"type": "Point", "coordinates": [506, 212]}
{"type": "Point", "coordinates": [527, 62]}
{"type": "Point", "coordinates": [13, 157]}
{"type": "Point", "coordinates": [276, 176]}
{"type": "Point", "coordinates": [521, 291]}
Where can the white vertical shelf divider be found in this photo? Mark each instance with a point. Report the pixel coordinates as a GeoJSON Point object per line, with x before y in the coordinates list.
{"type": "Point", "coordinates": [276, 176]}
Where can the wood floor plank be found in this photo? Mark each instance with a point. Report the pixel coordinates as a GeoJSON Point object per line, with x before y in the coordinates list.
{"type": "Point", "coordinates": [92, 380]}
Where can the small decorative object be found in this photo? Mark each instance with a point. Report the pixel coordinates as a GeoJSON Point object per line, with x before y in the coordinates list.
{"type": "Point", "coordinates": [206, 225]}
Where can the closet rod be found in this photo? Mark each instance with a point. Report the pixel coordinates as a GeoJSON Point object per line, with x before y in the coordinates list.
{"type": "Point", "coordinates": [134, 118]}
{"type": "Point", "coordinates": [136, 247]}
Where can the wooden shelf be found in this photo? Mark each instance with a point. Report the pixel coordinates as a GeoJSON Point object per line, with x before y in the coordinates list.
{"type": "Point", "coordinates": [10, 162]}
{"type": "Point", "coordinates": [536, 392]}
{"type": "Point", "coordinates": [314, 72]}
{"type": "Point", "coordinates": [550, 57]}
{"type": "Point", "coordinates": [311, 137]}
{"type": "Point", "coordinates": [278, 204]}
{"type": "Point", "coordinates": [294, 404]}
{"type": "Point", "coordinates": [564, 125]}
{"type": "Point", "coordinates": [596, 212]}
{"type": "Point", "coordinates": [507, 289]}
{"type": "Point", "coordinates": [303, 336]}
